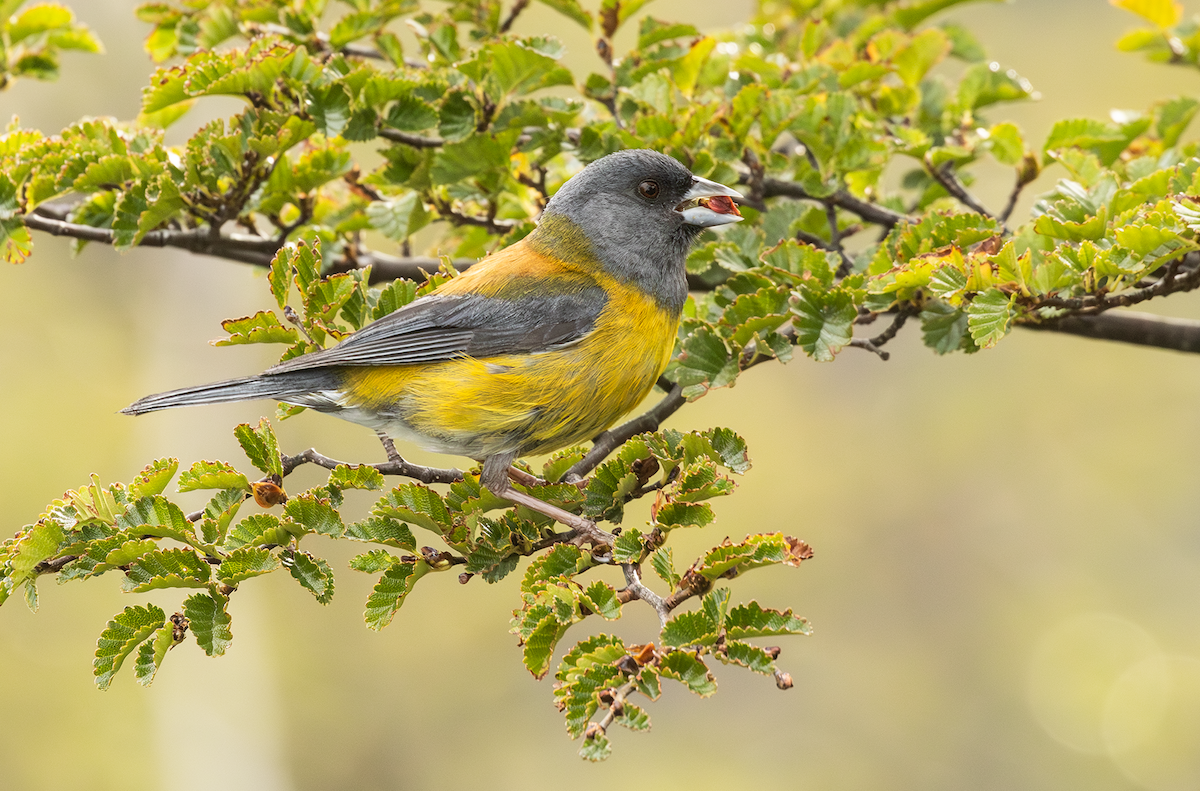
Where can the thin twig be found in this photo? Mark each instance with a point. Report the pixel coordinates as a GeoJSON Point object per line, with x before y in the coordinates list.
{"type": "Point", "coordinates": [944, 175]}
{"type": "Point", "coordinates": [871, 212]}
{"type": "Point", "coordinates": [410, 138]}
{"type": "Point", "coordinates": [863, 343]}
{"type": "Point", "coordinates": [517, 8]}
{"type": "Point", "coordinates": [612, 439]}
{"type": "Point", "coordinates": [401, 467]}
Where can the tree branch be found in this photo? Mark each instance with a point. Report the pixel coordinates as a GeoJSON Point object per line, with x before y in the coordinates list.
{"type": "Point", "coordinates": [633, 584]}
{"type": "Point", "coordinates": [614, 438]}
{"type": "Point", "coordinates": [395, 467]}
{"type": "Point", "coordinates": [1127, 326]}
{"type": "Point", "coordinates": [410, 138]}
{"type": "Point", "coordinates": [945, 176]}
{"type": "Point", "coordinates": [517, 8]}
{"type": "Point", "coordinates": [871, 212]}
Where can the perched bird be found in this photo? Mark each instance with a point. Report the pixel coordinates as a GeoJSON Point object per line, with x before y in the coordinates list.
{"type": "Point", "coordinates": [537, 347]}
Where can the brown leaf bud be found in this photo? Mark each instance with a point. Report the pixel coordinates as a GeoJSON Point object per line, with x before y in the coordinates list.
{"type": "Point", "coordinates": [772, 651]}
{"type": "Point", "coordinates": [783, 680]}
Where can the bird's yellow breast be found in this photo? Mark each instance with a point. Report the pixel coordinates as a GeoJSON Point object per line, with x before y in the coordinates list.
{"type": "Point", "coordinates": [530, 403]}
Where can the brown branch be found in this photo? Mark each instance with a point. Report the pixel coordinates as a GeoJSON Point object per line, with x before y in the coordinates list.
{"type": "Point", "coordinates": [517, 8]}
{"type": "Point", "coordinates": [614, 438]}
{"type": "Point", "coordinates": [1170, 283]}
{"type": "Point", "coordinates": [1141, 329]}
{"type": "Point", "coordinates": [871, 212]}
{"type": "Point", "coordinates": [409, 138]}
{"type": "Point", "coordinates": [945, 176]}
{"type": "Point", "coordinates": [398, 466]}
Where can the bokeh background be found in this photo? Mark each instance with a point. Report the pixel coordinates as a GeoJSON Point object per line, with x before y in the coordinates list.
{"type": "Point", "coordinates": [1005, 593]}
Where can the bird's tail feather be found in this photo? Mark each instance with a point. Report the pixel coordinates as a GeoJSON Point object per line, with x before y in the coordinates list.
{"type": "Point", "coordinates": [275, 386]}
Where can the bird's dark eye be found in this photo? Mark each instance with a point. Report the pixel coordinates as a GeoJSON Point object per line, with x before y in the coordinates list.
{"type": "Point", "coordinates": [648, 189]}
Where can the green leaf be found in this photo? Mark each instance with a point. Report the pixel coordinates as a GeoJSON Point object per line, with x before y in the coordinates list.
{"type": "Point", "coordinates": [751, 621]}
{"type": "Point", "coordinates": [705, 362]}
{"type": "Point", "coordinates": [152, 652]}
{"type": "Point", "coordinates": [315, 514]}
{"type": "Point", "coordinates": [748, 656]}
{"type": "Point", "coordinates": [382, 530]}
{"type": "Point", "coordinates": [595, 748]}
{"type": "Point", "coordinates": [823, 321]}
{"type": "Point", "coordinates": [312, 573]}
{"type": "Point", "coordinates": [540, 642]}
{"type": "Point", "coordinates": [573, 10]}
{"type": "Point", "coordinates": [690, 671]}
{"type": "Point", "coordinates": [209, 622]}
{"type": "Point", "coordinates": [360, 476]}
{"type": "Point", "coordinates": [690, 628]}
{"type": "Point", "coordinates": [124, 632]}
{"type": "Point", "coordinates": [389, 593]}
{"type": "Point", "coordinates": [399, 218]}
{"type": "Point", "coordinates": [257, 529]}
{"type": "Point", "coordinates": [212, 475]}
{"type": "Point", "coordinates": [219, 513]}
{"type": "Point", "coordinates": [38, 19]}
{"type": "Point", "coordinates": [153, 479]}
{"type": "Point", "coordinates": [989, 317]}
{"type": "Point", "coordinates": [922, 53]}
{"type": "Point", "coordinates": [943, 327]}
{"type": "Point", "coordinates": [663, 563]}
{"type": "Point", "coordinates": [168, 568]}
{"type": "Point", "coordinates": [374, 562]}
{"type": "Point", "coordinates": [262, 327]}
{"type": "Point", "coordinates": [756, 551]}
{"type": "Point", "coordinates": [157, 516]}
{"type": "Point", "coordinates": [601, 598]}
{"type": "Point", "coordinates": [244, 563]}
{"type": "Point", "coordinates": [456, 119]}
{"type": "Point", "coordinates": [15, 243]}
{"type": "Point", "coordinates": [628, 546]}
{"type": "Point", "coordinates": [260, 446]}
{"type": "Point", "coordinates": [416, 503]}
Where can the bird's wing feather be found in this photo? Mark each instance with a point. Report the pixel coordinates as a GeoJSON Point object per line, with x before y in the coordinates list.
{"type": "Point", "coordinates": [520, 317]}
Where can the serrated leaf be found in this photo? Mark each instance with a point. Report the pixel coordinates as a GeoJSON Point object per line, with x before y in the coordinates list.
{"type": "Point", "coordinates": [628, 546]}
{"type": "Point", "coordinates": [601, 598]}
{"type": "Point", "coordinates": [244, 563]}
{"type": "Point", "coordinates": [374, 562]}
{"type": "Point", "coordinates": [314, 514]}
{"type": "Point", "coordinates": [260, 446]}
{"type": "Point", "coordinates": [312, 573]}
{"type": "Point", "coordinates": [157, 516]}
{"type": "Point", "coordinates": [418, 504]}
{"type": "Point", "coordinates": [823, 321]}
{"type": "Point", "coordinates": [663, 563]}
{"type": "Point", "coordinates": [389, 593]}
{"type": "Point", "coordinates": [751, 621]}
{"type": "Point", "coordinates": [151, 654]}
{"type": "Point", "coordinates": [382, 530]}
{"type": "Point", "coordinates": [540, 643]}
{"type": "Point", "coordinates": [153, 479]}
{"type": "Point", "coordinates": [209, 622]}
{"type": "Point", "coordinates": [262, 327]}
{"type": "Point", "coordinates": [168, 568]}
{"type": "Point", "coordinates": [690, 671]}
{"type": "Point", "coordinates": [124, 632]}
{"type": "Point", "coordinates": [943, 327]}
{"type": "Point", "coordinates": [748, 656]}
{"type": "Point", "coordinates": [212, 475]}
{"type": "Point", "coordinates": [595, 748]}
{"type": "Point", "coordinates": [690, 628]}
{"type": "Point", "coordinates": [989, 317]}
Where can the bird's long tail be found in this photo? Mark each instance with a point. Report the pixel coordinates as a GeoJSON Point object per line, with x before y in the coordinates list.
{"type": "Point", "coordinates": [276, 386]}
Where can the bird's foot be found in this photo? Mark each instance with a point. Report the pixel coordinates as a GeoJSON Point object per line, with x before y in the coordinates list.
{"type": "Point", "coordinates": [389, 448]}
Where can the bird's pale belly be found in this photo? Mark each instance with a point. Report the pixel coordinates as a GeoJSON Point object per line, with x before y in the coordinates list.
{"type": "Point", "coordinates": [528, 403]}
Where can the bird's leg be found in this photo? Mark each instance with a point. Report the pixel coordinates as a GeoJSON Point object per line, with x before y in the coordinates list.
{"type": "Point", "coordinates": [389, 448]}
{"type": "Point", "coordinates": [524, 478]}
{"type": "Point", "coordinates": [496, 472]}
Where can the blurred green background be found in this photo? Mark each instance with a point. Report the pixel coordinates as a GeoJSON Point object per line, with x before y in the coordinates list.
{"type": "Point", "coordinates": [1005, 593]}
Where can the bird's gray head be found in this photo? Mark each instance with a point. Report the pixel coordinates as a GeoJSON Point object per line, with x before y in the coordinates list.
{"type": "Point", "coordinates": [639, 210]}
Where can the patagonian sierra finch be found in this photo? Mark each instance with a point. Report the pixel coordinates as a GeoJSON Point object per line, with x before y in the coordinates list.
{"type": "Point", "coordinates": [539, 346]}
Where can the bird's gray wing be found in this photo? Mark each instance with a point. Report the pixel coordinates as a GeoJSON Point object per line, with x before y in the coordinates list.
{"type": "Point", "coordinates": [436, 328]}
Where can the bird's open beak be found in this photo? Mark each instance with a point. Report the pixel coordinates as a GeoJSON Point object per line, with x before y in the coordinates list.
{"type": "Point", "coordinates": [708, 204]}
